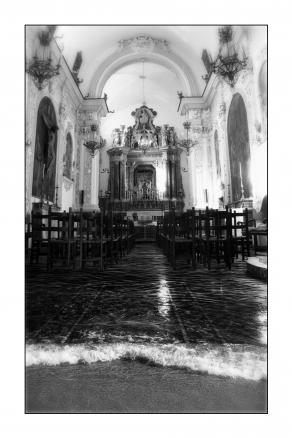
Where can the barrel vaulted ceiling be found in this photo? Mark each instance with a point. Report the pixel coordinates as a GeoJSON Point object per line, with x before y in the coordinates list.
{"type": "Point", "coordinates": [99, 43]}
{"type": "Point", "coordinates": [113, 57]}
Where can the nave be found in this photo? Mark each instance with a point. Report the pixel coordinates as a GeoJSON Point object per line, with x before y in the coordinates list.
{"type": "Point", "coordinates": [146, 216]}
{"type": "Point", "coordinates": [143, 300]}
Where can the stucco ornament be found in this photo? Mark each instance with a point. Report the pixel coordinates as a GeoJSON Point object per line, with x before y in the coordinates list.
{"type": "Point", "coordinates": [143, 44]}
{"type": "Point", "coordinates": [222, 109]}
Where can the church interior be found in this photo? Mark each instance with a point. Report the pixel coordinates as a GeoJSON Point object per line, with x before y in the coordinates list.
{"type": "Point", "coordinates": [146, 212]}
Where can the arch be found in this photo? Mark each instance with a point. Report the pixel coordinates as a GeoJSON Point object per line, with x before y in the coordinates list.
{"type": "Point", "coordinates": [119, 60]}
{"type": "Point", "coordinates": [239, 149]}
{"type": "Point", "coordinates": [67, 159]}
{"type": "Point", "coordinates": [44, 170]}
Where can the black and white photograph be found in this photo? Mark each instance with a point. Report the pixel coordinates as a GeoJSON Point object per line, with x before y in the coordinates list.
{"type": "Point", "coordinates": [146, 219]}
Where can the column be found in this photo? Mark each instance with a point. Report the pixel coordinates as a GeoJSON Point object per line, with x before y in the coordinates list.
{"type": "Point", "coordinates": [95, 180]}
{"type": "Point", "coordinates": [168, 190]}
{"type": "Point", "coordinates": [205, 167]}
{"type": "Point", "coordinates": [116, 181]}
{"type": "Point", "coordinates": [191, 181]}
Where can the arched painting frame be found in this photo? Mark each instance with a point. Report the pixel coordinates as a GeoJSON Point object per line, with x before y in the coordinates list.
{"type": "Point", "coordinates": [44, 170]}
{"type": "Point", "coordinates": [239, 150]}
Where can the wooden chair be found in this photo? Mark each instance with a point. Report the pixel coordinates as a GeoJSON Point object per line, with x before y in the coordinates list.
{"type": "Point", "coordinates": [92, 242]}
{"type": "Point", "coordinates": [240, 236]}
{"type": "Point", "coordinates": [62, 244]}
{"type": "Point", "coordinates": [113, 243]}
{"type": "Point", "coordinates": [40, 236]}
{"type": "Point", "coordinates": [180, 238]}
{"type": "Point", "coordinates": [214, 237]}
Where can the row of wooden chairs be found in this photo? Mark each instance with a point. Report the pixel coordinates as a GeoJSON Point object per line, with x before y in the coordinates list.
{"type": "Point", "coordinates": [200, 236]}
{"type": "Point", "coordinates": [78, 238]}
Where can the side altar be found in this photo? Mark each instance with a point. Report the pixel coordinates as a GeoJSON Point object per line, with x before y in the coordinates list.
{"type": "Point", "coordinates": [145, 170]}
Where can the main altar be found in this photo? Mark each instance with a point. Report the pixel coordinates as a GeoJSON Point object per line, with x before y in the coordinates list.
{"type": "Point", "coordinates": [145, 170]}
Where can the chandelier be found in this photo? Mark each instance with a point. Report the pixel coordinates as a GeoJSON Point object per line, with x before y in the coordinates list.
{"type": "Point", "coordinates": [228, 64]}
{"type": "Point", "coordinates": [93, 141]}
{"type": "Point", "coordinates": [41, 68]}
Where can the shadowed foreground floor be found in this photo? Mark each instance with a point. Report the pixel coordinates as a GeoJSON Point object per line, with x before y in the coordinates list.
{"type": "Point", "coordinates": [131, 387]}
{"type": "Point", "coordinates": [142, 302]}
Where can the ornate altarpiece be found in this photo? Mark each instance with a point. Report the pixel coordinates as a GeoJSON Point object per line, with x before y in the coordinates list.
{"type": "Point", "coordinates": [138, 154]}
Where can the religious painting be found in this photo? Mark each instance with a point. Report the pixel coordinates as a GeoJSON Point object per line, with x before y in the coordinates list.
{"type": "Point", "coordinates": [44, 171]}
{"type": "Point", "coordinates": [239, 151]}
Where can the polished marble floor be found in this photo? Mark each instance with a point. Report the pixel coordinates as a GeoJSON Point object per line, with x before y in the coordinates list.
{"type": "Point", "coordinates": [143, 300]}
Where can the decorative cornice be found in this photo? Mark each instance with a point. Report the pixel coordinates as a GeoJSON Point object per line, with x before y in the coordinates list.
{"type": "Point", "coordinates": [97, 105]}
{"type": "Point", "coordinates": [188, 103]}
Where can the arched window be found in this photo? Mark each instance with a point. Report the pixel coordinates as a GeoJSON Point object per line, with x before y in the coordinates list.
{"type": "Point", "coordinates": [218, 165]}
{"type": "Point", "coordinates": [239, 151]}
{"type": "Point", "coordinates": [68, 157]}
{"type": "Point", "coordinates": [44, 169]}
{"type": "Point", "coordinates": [263, 91]}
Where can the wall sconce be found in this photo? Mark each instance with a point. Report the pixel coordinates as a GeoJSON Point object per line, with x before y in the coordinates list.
{"type": "Point", "coordinates": [105, 171]}
{"type": "Point", "coordinates": [93, 141]}
{"type": "Point", "coordinates": [184, 169]}
{"type": "Point", "coordinates": [186, 144]}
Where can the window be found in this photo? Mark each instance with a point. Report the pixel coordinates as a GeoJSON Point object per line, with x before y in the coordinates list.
{"type": "Point", "coordinates": [68, 157]}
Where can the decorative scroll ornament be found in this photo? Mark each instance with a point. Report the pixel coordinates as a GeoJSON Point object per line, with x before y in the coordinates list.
{"type": "Point", "coordinates": [222, 109]}
{"type": "Point", "coordinates": [143, 43]}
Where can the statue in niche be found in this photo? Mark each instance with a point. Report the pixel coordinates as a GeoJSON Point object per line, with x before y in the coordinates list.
{"type": "Point", "coordinates": [158, 135]}
{"type": "Point", "coordinates": [171, 137]}
{"type": "Point", "coordinates": [165, 135]}
{"type": "Point", "coordinates": [129, 135]}
{"type": "Point", "coordinates": [117, 140]}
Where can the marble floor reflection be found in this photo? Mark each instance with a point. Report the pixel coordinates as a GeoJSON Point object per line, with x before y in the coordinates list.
{"type": "Point", "coordinates": [142, 300]}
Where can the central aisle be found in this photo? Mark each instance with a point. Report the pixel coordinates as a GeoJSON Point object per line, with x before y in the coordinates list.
{"type": "Point", "coordinates": [144, 332]}
{"type": "Point", "coordinates": [142, 298]}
